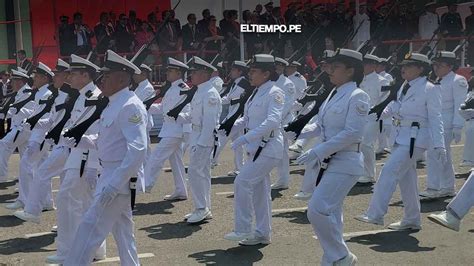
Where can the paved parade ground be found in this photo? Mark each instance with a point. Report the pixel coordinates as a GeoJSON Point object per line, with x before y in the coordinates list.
{"type": "Point", "coordinates": [163, 238]}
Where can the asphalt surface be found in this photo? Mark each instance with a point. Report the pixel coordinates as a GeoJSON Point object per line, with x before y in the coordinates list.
{"type": "Point", "coordinates": [163, 238]}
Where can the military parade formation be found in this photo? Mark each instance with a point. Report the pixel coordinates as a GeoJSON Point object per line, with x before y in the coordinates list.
{"type": "Point", "coordinates": [90, 125]}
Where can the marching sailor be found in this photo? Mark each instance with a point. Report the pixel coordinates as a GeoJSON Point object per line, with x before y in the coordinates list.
{"type": "Point", "coordinates": [440, 179]}
{"type": "Point", "coordinates": [418, 126]}
{"type": "Point", "coordinates": [171, 145]}
{"type": "Point", "coordinates": [340, 124]}
{"type": "Point", "coordinates": [121, 147]}
{"type": "Point", "coordinates": [263, 142]}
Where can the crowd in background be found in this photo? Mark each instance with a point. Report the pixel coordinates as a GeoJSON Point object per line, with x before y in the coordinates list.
{"type": "Point", "coordinates": [211, 33]}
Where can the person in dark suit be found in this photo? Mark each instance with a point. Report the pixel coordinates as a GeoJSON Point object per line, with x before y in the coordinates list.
{"type": "Point", "coordinates": [203, 24]}
{"type": "Point", "coordinates": [82, 34]}
{"type": "Point", "coordinates": [64, 39]}
{"type": "Point", "coordinates": [123, 37]}
{"type": "Point", "coordinates": [451, 26]}
{"type": "Point", "coordinates": [23, 62]}
{"type": "Point", "coordinates": [103, 33]}
{"type": "Point", "coordinates": [469, 22]}
{"type": "Point", "coordinates": [190, 34]}
{"type": "Point", "coordinates": [212, 38]}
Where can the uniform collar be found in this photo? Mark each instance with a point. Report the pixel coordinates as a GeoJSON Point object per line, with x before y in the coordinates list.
{"type": "Point", "coordinates": [143, 83]}
{"type": "Point", "coordinates": [119, 94]}
{"type": "Point", "coordinates": [44, 87]}
{"type": "Point", "coordinates": [89, 87]}
{"type": "Point", "coordinates": [372, 74]}
{"type": "Point", "coordinates": [204, 84]}
{"type": "Point", "coordinates": [265, 85]}
{"type": "Point", "coordinates": [177, 82]}
{"type": "Point", "coordinates": [448, 76]}
{"type": "Point", "coordinates": [415, 81]}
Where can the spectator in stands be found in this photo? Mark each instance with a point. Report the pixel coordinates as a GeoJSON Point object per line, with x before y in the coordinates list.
{"type": "Point", "coordinates": [361, 22]}
{"type": "Point", "coordinates": [428, 22]}
{"type": "Point", "coordinates": [132, 21]}
{"type": "Point", "coordinates": [81, 42]}
{"type": "Point", "coordinates": [212, 37]}
{"type": "Point", "coordinates": [103, 34]}
{"type": "Point", "coordinates": [254, 40]}
{"type": "Point", "coordinates": [143, 35]}
{"type": "Point", "coordinates": [23, 62]}
{"type": "Point", "coordinates": [451, 26]}
{"type": "Point", "coordinates": [168, 37]}
{"type": "Point", "coordinates": [123, 37]}
{"type": "Point", "coordinates": [191, 38]}
{"type": "Point", "coordinates": [203, 24]}
{"type": "Point", "coordinates": [64, 48]}
{"type": "Point", "coordinates": [112, 20]}
{"type": "Point", "coordinates": [469, 22]}
{"type": "Point", "coordinates": [175, 22]}
{"type": "Point", "coordinates": [152, 21]}
{"type": "Point", "coordinates": [246, 16]}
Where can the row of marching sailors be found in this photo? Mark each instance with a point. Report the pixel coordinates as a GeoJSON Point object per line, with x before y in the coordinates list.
{"type": "Point", "coordinates": [64, 125]}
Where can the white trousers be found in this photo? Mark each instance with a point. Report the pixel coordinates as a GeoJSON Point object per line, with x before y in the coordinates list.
{"type": "Point", "coordinates": [238, 153]}
{"type": "Point", "coordinates": [367, 148]}
{"type": "Point", "coordinates": [441, 175]}
{"type": "Point", "coordinates": [73, 200]}
{"type": "Point", "coordinates": [399, 169]}
{"type": "Point", "coordinates": [309, 179]}
{"type": "Point", "coordinates": [29, 162]}
{"type": "Point", "coordinates": [199, 173]}
{"type": "Point", "coordinates": [468, 154]}
{"type": "Point", "coordinates": [325, 214]}
{"type": "Point", "coordinates": [167, 149]}
{"type": "Point", "coordinates": [384, 136]}
{"type": "Point", "coordinates": [7, 147]}
{"type": "Point", "coordinates": [49, 168]}
{"type": "Point", "coordinates": [283, 168]}
{"type": "Point", "coordinates": [252, 193]}
{"type": "Point", "coordinates": [464, 200]}
{"type": "Point", "coordinates": [97, 223]}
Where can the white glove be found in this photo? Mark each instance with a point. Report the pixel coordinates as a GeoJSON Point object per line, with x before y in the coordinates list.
{"type": "Point", "coordinates": [297, 106]}
{"type": "Point", "coordinates": [90, 176]}
{"type": "Point", "coordinates": [68, 141]}
{"type": "Point", "coordinates": [26, 126]}
{"type": "Point", "coordinates": [290, 135]}
{"type": "Point", "coordinates": [11, 112]}
{"type": "Point", "coordinates": [467, 114]}
{"type": "Point", "coordinates": [181, 119]}
{"type": "Point", "coordinates": [308, 156]}
{"type": "Point", "coordinates": [457, 133]}
{"type": "Point", "coordinates": [441, 154]}
{"type": "Point", "coordinates": [372, 117]}
{"type": "Point", "coordinates": [49, 142]}
{"type": "Point", "coordinates": [107, 195]}
{"type": "Point", "coordinates": [240, 141]}
{"type": "Point", "coordinates": [32, 149]}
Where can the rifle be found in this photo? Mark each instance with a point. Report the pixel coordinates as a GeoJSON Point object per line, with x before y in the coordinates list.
{"type": "Point", "coordinates": [78, 130]}
{"type": "Point", "coordinates": [297, 125]}
{"type": "Point", "coordinates": [393, 88]}
{"type": "Point", "coordinates": [426, 48]}
{"type": "Point", "coordinates": [177, 109]}
{"type": "Point", "coordinates": [20, 104]}
{"type": "Point", "coordinates": [311, 94]}
{"type": "Point", "coordinates": [229, 123]}
{"type": "Point", "coordinates": [33, 120]}
{"type": "Point", "coordinates": [148, 102]}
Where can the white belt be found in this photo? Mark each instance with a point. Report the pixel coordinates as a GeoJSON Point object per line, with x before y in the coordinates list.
{"type": "Point", "coordinates": [407, 123]}
{"type": "Point", "coordinates": [352, 148]}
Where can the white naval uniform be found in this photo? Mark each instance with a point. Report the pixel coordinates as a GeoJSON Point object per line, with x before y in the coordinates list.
{"type": "Point", "coordinates": [145, 91]}
{"type": "Point", "coordinates": [204, 114]}
{"type": "Point", "coordinates": [252, 193]}
{"type": "Point", "coordinates": [234, 94]}
{"type": "Point", "coordinates": [453, 93]}
{"type": "Point", "coordinates": [384, 136]}
{"type": "Point", "coordinates": [170, 146]}
{"type": "Point", "coordinates": [288, 88]}
{"type": "Point", "coordinates": [33, 155]}
{"type": "Point", "coordinates": [7, 145]}
{"type": "Point", "coordinates": [53, 165]}
{"type": "Point", "coordinates": [364, 31]}
{"type": "Point", "coordinates": [468, 153]}
{"type": "Point", "coordinates": [218, 83]}
{"type": "Point", "coordinates": [427, 24]}
{"type": "Point", "coordinates": [340, 121]}
{"type": "Point", "coordinates": [300, 84]}
{"type": "Point", "coordinates": [464, 200]}
{"type": "Point", "coordinates": [122, 145]}
{"type": "Point", "coordinates": [422, 104]}
{"type": "Point", "coordinates": [372, 85]}
{"type": "Point", "coordinates": [75, 195]}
